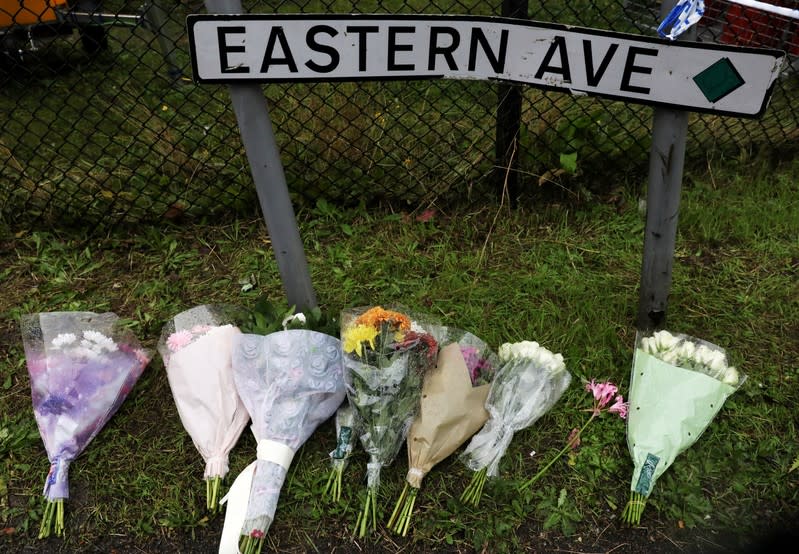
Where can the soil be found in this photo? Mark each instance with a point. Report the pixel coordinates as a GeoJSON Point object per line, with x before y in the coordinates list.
{"type": "Point", "coordinates": [656, 538]}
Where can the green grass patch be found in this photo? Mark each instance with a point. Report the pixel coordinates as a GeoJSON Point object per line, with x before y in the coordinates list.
{"type": "Point", "coordinates": [562, 273]}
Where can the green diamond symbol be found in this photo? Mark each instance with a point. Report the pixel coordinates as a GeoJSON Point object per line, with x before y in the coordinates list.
{"type": "Point", "coordinates": [718, 80]}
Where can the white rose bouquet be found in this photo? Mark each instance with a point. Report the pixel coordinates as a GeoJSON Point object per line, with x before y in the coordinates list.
{"type": "Point", "coordinates": [528, 383]}
{"type": "Point", "coordinates": [678, 385]}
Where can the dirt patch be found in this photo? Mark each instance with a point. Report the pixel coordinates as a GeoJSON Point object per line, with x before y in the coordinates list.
{"type": "Point", "coordinates": [655, 538]}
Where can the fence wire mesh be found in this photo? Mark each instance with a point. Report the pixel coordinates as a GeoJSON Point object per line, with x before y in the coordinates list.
{"type": "Point", "coordinates": [104, 126]}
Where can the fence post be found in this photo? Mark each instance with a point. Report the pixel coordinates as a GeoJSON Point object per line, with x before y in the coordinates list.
{"type": "Point", "coordinates": [509, 114]}
{"type": "Point", "coordinates": [156, 18]}
{"type": "Point", "coordinates": [666, 161]}
{"type": "Point", "coordinates": [263, 156]}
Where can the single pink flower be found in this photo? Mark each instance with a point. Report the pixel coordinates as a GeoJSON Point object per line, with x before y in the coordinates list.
{"type": "Point", "coordinates": [603, 392]}
{"type": "Point", "coordinates": [619, 407]}
{"type": "Point", "coordinates": [178, 340]}
{"type": "Point", "coordinates": [257, 534]}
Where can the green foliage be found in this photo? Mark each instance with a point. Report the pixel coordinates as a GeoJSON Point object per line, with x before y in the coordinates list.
{"type": "Point", "coordinates": [267, 316]}
{"type": "Point", "coordinates": [559, 512]}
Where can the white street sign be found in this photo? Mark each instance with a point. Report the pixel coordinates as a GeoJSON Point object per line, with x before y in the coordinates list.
{"type": "Point", "coordinates": [700, 77]}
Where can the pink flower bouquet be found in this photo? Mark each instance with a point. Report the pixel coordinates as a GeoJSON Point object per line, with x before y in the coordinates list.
{"type": "Point", "coordinates": [82, 366]}
{"type": "Point", "coordinates": [196, 346]}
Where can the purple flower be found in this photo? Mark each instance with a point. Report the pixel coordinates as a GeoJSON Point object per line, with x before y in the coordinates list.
{"type": "Point", "coordinates": [53, 405]}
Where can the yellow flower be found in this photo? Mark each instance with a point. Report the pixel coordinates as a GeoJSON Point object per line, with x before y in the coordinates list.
{"type": "Point", "coordinates": [355, 336]}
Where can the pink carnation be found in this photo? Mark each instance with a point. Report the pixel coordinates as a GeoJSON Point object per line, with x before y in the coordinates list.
{"type": "Point", "coordinates": [178, 340]}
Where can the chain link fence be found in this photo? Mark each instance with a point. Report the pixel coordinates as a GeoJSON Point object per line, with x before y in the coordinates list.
{"type": "Point", "coordinates": [103, 125]}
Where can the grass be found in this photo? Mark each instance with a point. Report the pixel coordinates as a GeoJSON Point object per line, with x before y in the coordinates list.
{"type": "Point", "coordinates": [563, 272]}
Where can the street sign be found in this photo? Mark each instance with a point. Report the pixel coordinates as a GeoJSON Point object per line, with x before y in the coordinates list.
{"type": "Point", "coordinates": [702, 77]}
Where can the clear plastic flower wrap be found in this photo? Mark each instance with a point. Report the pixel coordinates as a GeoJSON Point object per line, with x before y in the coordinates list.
{"type": "Point", "coordinates": [290, 382]}
{"type": "Point", "coordinates": [348, 428]}
{"type": "Point", "coordinates": [82, 366]}
{"type": "Point", "coordinates": [196, 346]}
{"type": "Point", "coordinates": [678, 385]}
{"type": "Point", "coordinates": [528, 383]}
{"type": "Point", "coordinates": [386, 356]}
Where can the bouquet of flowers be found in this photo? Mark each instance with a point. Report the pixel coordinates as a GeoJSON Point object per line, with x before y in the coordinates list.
{"type": "Point", "coordinates": [451, 411]}
{"type": "Point", "coordinates": [82, 366]}
{"type": "Point", "coordinates": [348, 427]}
{"type": "Point", "coordinates": [528, 382]}
{"type": "Point", "coordinates": [290, 382]}
{"type": "Point", "coordinates": [386, 356]}
{"type": "Point", "coordinates": [678, 385]}
{"type": "Point", "coordinates": [196, 346]}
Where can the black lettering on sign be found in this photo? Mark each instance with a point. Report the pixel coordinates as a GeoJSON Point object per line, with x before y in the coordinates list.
{"type": "Point", "coordinates": [558, 46]}
{"type": "Point", "coordinates": [313, 44]}
{"type": "Point", "coordinates": [361, 31]}
{"type": "Point", "coordinates": [497, 60]}
{"type": "Point", "coordinates": [277, 34]}
{"type": "Point", "coordinates": [436, 49]}
{"type": "Point", "coordinates": [225, 49]}
{"type": "Point", "coordinates": [393, 48]}
{"type": "Point", "coordinates": [594, 78]}
{"type": "Point", "coordinates": [630, 68]}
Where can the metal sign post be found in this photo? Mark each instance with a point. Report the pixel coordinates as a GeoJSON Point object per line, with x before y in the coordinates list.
{"type": "Point", "coordinates": [666, 162]}
{"type": "Point", "coordinates": [263, 155]}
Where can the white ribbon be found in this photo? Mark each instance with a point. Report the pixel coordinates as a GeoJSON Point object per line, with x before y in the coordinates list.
{"type": "Point", "coordinates": [238, 495]}
{"type": "Point", "coordinates": [766, 7]}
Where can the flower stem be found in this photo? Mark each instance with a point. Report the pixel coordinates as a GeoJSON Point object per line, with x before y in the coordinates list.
{"type": "Point", "coordinates": [250, 545]}
{"type": "Point", "coordinates": [368, 514]}
{"type": "Point", "coordinates": [400, 520]}
{"type": "Point", "coordinates": [393, 519]}
{"type": "Point", "coordinates": [634, 508]}
{"type": "Point", "coordinates": [59, 517]}
{"type": "Point", "coordinates": [212, 492]}
{"type": "Point", "coordinates": [474, 491]}
{"type": "Point", "coordinates": [565, 449]}
{"type": "Point", "coordinates": [333, 486]}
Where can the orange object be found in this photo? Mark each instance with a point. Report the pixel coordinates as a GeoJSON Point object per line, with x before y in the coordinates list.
{"type": "Point", "coordinates": [28, 12]}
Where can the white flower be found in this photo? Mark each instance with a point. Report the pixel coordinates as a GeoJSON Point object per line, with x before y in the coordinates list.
{"type": "Point", "coordinates": [532, 351]}
{"type": "Point", "coordinates": [647, 345]}
{"type": "Point", "coordinates": [99, 341]}
{"type": "Point", "coordinates": [731, 376]}
{"type": "Point", "coordinates": [703, 354]}
{"type": "Point", "coordinates": [670, 357]}
{"type": "Point", "coordinates": [663, 340]}
{"type": "Point", "coordinates": [716, 362]}
{"type": "Point", "coordinates": [523, 349]}
{"type": "Point", "coordinates": [289, 318]}
{"type": "Point", "coordinates": [64, 339]}
{"type": "Point", "coordinates": [687, 349]}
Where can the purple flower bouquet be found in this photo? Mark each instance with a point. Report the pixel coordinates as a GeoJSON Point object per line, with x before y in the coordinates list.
{"type": "Point", "coordinates": [82, 365]}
